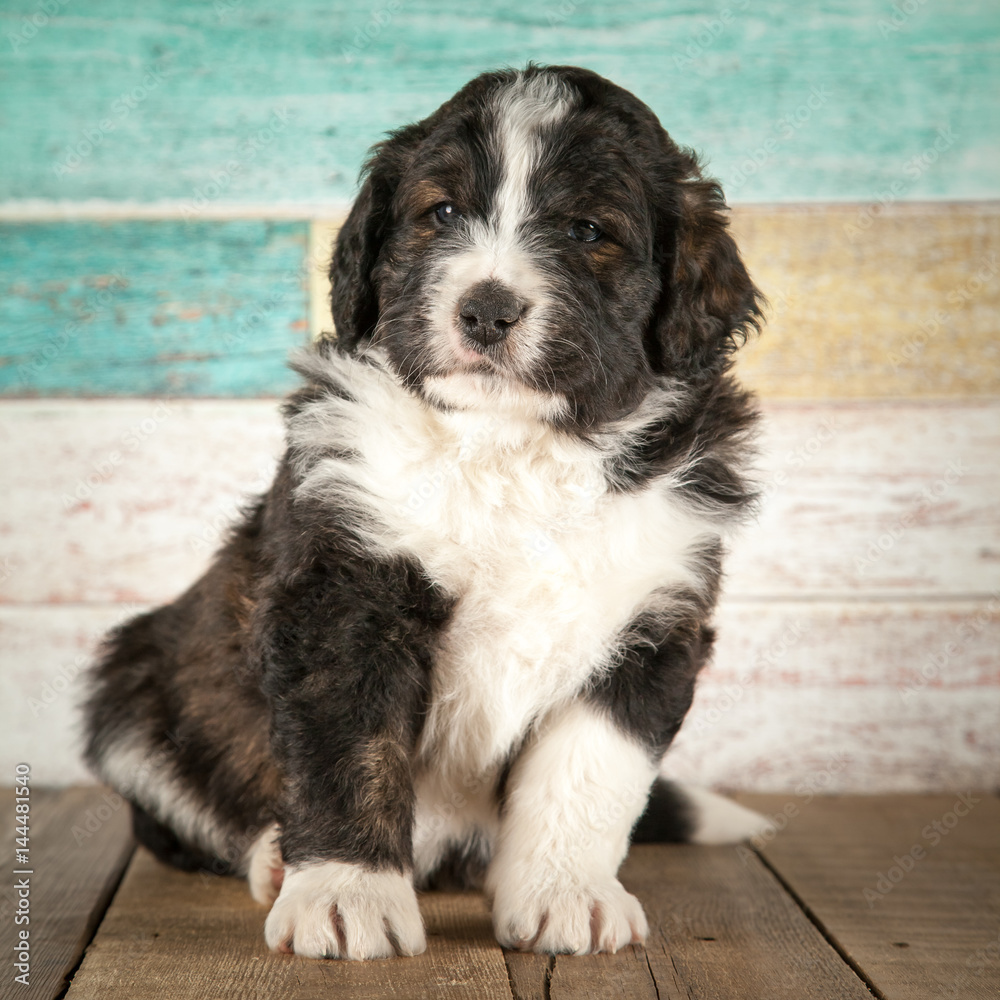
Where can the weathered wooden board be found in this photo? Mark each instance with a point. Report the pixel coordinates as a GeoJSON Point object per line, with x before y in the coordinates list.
{"type": "Point", "coordinates": [909, 887]}
{"type": "Point", "coordinates": [126, 501]}
{"type": "Point", "coordinates": [815, 696]}
{"type": "Point", "coordinates": [902, 302]}
{"type": "Point", "coordinates": [144, 491]}
{"type": "Point", "coordinates": [718, 923]}
{"type": "Point", "coordinates": [597, 977]}
{"type": "Point", "coordinates": [805, 669]}
{"type": "Point", "coordinates": [230, 102]}
{"type": "Point", "coordinates": [322, 238]}
{"type": "Point", "coordinates": [865, 499]}
{"type": "Point", "coordinates": [905, 890]}
{"type": "Point", "coordinates": [721, 926]}
{"type": "Point", "coordinates": [203, 937]}
{"type": "Point", "coordinates": [529, 974]}
{"type": "Point", "coordinates": [42, 805]}
{"type": "Point", "coordinates": [905, 308]}
{"type": "Point", "coordinates": [151, 308]}
{"type": "Point", "coordinates": [80, 840]}
{"type": "Point", "coordinates": [46, 652]}
{"type": "Point", "coordinates": [907, 647]}
{"type": "Point", "coordinates": [818, 697]}
{"type": "Point", "coordinates": [848, 739]}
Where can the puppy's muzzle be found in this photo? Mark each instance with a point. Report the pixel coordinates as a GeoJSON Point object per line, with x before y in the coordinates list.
{"type": "Point", "coordinates": [488, 312]}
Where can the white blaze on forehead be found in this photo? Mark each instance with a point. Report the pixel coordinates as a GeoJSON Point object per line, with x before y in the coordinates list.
{"type": "Point", "coordinates": [523, 107]}
{"type": "Point", "coordinates": [499, 247]}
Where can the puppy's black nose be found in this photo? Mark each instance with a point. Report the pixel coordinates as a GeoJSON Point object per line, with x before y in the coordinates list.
{"type": "Point", "coordinates": [488, 311]}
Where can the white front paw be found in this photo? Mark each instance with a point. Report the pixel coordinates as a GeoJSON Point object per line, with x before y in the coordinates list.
{"type": "Point", "coordinates": [336, 910]}
{"type": "Point", "coordinates": [566, 917]}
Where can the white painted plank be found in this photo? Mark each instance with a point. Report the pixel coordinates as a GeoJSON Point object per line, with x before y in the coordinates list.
{"type": "Point", "coordinates": [888, 499]}
{"type": "Point", "coordinates": [793, 685]}
{"type": "Point", "coordinates": [906, 646]}
{"type": "Point", "coordinates": [847, 697]}
{"type": "Point", "coordinates": [46, 650]}
{"type": "Point", "coordinates": [848, 739]}
{"type": "Point", "coordinates": [124, 500]}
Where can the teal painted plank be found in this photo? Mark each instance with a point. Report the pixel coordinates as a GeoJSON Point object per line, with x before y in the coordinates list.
{"type": "Point", "coordinates": [240, 101]}
{"type": "Point", "coordinates": [151, 308]}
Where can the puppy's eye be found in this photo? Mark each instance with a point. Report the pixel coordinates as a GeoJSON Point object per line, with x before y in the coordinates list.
{"type": "Point", "coordinates": [447, 213]}
{"type": "Point", "coordinates": [585, 231]}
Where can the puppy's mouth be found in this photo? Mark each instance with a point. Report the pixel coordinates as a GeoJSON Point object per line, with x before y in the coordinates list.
{"type": "Point", "coordinates": [469, 356]}
{"type": "Point", "coordinates": [485, 390]}
{"type": "Point", "coordinates": [484, 362]}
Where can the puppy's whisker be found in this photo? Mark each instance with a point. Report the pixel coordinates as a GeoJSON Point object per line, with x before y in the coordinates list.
{"type": "Point", "coordinates": [595, 363]}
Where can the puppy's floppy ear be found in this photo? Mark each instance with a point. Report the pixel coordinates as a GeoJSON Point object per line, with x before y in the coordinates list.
{"type": "Point", "coordinates": [708, 305]}
{"type": "Point", "coordinates": [354, 295]}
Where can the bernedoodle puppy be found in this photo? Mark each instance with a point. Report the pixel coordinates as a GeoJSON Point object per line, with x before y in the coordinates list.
{"type": "Point", "coordinates": [460, 630]}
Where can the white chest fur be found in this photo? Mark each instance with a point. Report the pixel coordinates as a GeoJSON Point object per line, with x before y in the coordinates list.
{"type": "Point", "coordinates": [515, 521]}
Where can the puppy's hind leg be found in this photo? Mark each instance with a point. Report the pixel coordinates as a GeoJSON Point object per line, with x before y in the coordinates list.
{"type": "Point", "coordinates": [265, 867]}
{"type": "Point", "coordinates": [166, 846]}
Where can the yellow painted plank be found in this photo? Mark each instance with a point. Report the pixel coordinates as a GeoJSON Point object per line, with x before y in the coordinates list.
{"type": "Point", "coordinates": [873, 301]}
{"type": "Point", "coordinates": [322, 236]}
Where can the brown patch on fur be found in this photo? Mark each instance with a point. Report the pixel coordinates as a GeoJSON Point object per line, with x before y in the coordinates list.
{"type": "Point", "coordinates": [709, 274]}
{"type": "Point", "coordinates": [243, 609]}
{"type": "Point", "coordinates": [383, 768]}
{"type": "Point", "coordinates": [419, 198]}
{"type": "Point", "coordinates": [607, 254]}
{"type": "Point", "coordinates": [381, 774]}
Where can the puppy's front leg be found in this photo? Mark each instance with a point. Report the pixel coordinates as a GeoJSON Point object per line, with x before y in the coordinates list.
{"type": "Point", "coordinates": [572, 799]}
{"type": "Point", "coordinates": [345, 676]}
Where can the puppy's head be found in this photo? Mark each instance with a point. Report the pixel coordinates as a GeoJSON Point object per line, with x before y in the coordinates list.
{"type": "Point", "coordinates": [540, 243]}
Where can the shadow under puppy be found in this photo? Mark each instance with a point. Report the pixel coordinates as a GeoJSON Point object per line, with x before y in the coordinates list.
{"type": "Point", "coordinates": [460, 630]}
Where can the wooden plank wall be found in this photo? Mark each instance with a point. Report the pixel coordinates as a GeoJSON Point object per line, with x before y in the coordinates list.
{"type": "Point", "coordinates": [211, 104]}
{"type": "Point", "coordinates": [171, 180]}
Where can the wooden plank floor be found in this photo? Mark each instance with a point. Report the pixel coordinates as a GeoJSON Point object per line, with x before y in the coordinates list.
{"type": "Point", "coordinates": [907, 887]}
{"type": "Point", "coordinates": [851, 897]}
{"type": "Point", "coordinates": [78, 843]}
